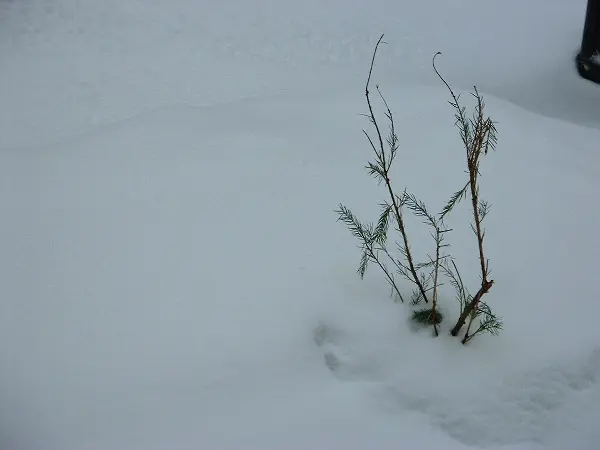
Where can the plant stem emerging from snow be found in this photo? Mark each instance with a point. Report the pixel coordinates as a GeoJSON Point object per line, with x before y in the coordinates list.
{"type": "Point", "coordinates": [382, 168]}
{"type": "Point", "coordinates": [478, 135]}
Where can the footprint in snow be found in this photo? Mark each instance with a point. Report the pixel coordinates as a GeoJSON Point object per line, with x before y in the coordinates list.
{"type": "Point", "coordinates": [344, 364]}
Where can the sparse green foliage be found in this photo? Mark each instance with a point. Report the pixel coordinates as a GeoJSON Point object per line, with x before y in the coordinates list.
{"type": "Point", "coordinates": [372, 246]}
{"type": "Point", "coordinates": [478, 135]}
{"type": "Point", "coordinates": [454, 200]}
{"type": "Point", "coordinates": [488, 322]}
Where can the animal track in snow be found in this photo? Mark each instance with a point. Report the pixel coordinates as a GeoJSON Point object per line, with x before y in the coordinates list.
{"type": "Point", "coordinates": [341, 359]}
{"type": "Point", "coordinates": [524, 407]}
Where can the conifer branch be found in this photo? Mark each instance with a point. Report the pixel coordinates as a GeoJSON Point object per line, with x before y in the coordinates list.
{"type": "Point", "coordinates": [382, 168]}
{"type": "Point", "coordinates": [436, 270]}
{"type": "Point", "coordinates": [478, 135]}
{"type": "Point", "coordinates": [420, 210]}
{"type": "Point", "coordinates": [488, 324]}
{"type": "Point", "coordinates": [454, 200]}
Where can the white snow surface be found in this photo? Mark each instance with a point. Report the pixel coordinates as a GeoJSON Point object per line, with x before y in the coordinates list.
{"type": "Point", "coordinates": [172, 272]}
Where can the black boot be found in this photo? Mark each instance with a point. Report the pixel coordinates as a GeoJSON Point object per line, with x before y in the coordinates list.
{"type": "Point", "coordinates": [588, 59]}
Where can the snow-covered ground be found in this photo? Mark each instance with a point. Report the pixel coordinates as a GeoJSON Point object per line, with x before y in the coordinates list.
{"type": "Point", "coordinates": [172, 272]}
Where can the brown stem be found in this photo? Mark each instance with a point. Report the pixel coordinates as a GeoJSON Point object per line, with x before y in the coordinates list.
{"type": "Point", "coordinates": [477, 220]}
{"type": "Point", "coordinates": [409, 258]}
{"type": "Point", "coordinates": [485, 287]}
{"type": "Point", "coordinates": [435, 280]}
{"type": "Point", "coordinates": [481, 129]}
{"type": "Point", "coordinates": [485, 284]}
{"type": "Point", "coordinates": [474, 147]}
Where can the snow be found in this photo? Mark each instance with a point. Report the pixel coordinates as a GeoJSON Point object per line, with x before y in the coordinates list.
{"type": "Point", "coordinates": [173, 273]}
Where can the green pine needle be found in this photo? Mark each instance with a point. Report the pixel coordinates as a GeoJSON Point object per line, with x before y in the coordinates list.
{"type": "Point", "coordinates": [454, 200]}
{"type": "Point", "coordinates": [427, 317]}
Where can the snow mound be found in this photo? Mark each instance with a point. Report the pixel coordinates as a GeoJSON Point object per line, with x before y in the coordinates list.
{"type": "Point", "coordinates": [180, 275]}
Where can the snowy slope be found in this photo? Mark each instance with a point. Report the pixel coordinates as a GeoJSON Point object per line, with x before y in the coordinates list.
{"type": "Point", "coordinates": [173, 274]}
